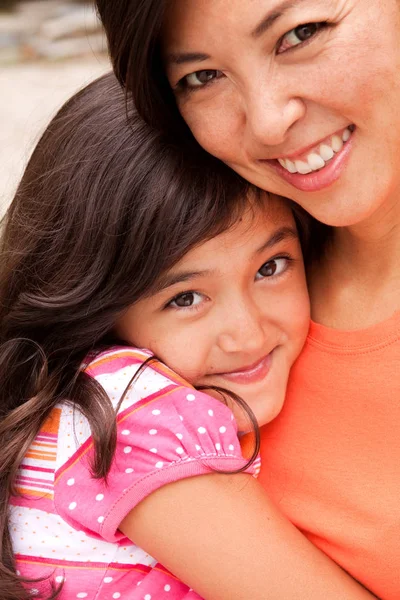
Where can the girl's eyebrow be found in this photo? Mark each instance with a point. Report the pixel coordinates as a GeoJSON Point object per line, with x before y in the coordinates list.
{"type": "Point", "coordinates": [271, 17]}
{"type": "Point", "coordinates": [281, 234]}
{"type": "Point", "coordinates": [171, 279]}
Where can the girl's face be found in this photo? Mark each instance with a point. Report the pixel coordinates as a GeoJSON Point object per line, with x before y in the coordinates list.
{"type": "Point", "coordinates": [234, 312]}
{"type": "Point", "coordinates": [301, 97]}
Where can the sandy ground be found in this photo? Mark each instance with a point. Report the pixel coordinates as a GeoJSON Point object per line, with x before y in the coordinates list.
{"type": "Point", "coordinates": [30, 95]}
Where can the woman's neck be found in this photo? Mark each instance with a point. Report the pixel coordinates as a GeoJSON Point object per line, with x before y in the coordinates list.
{"type": "Point", "coordinates": [357, 283]}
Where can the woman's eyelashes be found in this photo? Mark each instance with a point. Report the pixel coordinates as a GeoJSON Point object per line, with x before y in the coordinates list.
{"type": "Point", "coordinates": [300, 35]}
{"type": "Point", "coordinates": [295, 38]}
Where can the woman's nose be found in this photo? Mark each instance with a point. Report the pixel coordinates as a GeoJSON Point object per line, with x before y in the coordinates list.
{"type": "Point", "coordinates": [270, 112]}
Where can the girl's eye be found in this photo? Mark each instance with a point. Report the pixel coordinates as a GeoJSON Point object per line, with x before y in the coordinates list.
{"type": "Point", "coordinates": [273, 267]}
{"type": "Point", "coordinates": [200, 78]}
{"type": "Point", "coordinates": [186, 300]}
{"type": "Point", "coordinates": [299, 35]}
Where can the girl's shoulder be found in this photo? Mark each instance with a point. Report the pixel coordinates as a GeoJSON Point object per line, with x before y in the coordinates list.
{"type": "Point", "coordinates": [166, 431]}
{"type": "Point", "coordinates": [131, 374]}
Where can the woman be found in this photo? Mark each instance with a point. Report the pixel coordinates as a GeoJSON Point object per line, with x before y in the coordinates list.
{"type": "Point", "coordinates": [301, 98]}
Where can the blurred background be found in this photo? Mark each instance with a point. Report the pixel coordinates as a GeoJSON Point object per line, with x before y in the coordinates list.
{"type": "Point", "coordinates": [48, 50]}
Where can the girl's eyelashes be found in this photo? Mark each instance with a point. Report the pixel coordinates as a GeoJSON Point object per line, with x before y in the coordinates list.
{"type": "Point", "coordinates": [274, 267]}
{"type": "Point", "coordinates": [185, 300]}
{"type": "Point", "coordinates": [300, 35]}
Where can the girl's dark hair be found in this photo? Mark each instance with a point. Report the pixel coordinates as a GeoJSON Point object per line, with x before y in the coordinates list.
{"type": "Point", "coordinates": [106, 205]}
{"type": "Point", "coordinates": [133, 30]}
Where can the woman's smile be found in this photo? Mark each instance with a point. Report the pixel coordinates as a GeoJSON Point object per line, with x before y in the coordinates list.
{"type": "Point", "coordinates": [320, 166]}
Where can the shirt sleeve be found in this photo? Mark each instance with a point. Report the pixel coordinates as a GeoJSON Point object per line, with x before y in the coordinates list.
{"type": "Point", "coordinates": [168, 433]}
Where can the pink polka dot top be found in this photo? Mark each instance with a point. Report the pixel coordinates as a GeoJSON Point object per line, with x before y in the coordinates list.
{"type": "Point", "coordinates": [64, 523]}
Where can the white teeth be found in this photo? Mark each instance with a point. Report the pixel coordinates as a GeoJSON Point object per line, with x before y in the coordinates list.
{"type": "Point", "coordinates": [337, 143]}
{"type": "Point", "coordinates": [315, 161]}
{"type": "Point", "coordinates": [291, 167]}
{"type": "Point", "coordinates": [326, 152]}
{"type": "Point", "coordinates": [346, 135]}
{"type": "Point", "coordinates": [302, 167]}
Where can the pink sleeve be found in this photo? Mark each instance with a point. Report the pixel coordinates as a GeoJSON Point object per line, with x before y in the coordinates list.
{"type": "Point", "coordinates": [176, 432]}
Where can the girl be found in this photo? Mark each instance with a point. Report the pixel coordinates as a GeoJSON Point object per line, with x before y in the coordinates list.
{"type": "Point", "coordinates": [118, 240]}
{"type": "Point", "coordinates": [302, 99]}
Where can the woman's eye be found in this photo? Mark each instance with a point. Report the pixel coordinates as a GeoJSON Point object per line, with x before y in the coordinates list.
{"type": "Point", "coordinates": [200, 78]}
{"type": "Point", "coordinates": [299, 35]}
{"type": "Point", "coordinates": [273, 267]}
{"type": "Point", "coordinates": [186, 300]}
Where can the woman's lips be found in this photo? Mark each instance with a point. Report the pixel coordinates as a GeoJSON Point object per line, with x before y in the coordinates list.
{"type": "Point", "coordinates": [317, 180]}
{"type": "Point", "coordinates": [251, 374]}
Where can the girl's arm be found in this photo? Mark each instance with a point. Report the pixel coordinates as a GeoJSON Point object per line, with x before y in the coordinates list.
{"type": "Point", "coordinates": [223, 537]}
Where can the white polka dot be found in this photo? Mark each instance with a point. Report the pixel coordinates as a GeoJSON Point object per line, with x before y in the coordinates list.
{"type": "Point", "coordinates": [99, 497]}
{"type": "Point", "coordinates": [231, 447]}
{"type": "Point", "coordinates": [190, 397]}
{"type": "Point", "coordinates": [129, 470]}
{"type": "Point", "coordinates": [153, 431]}
{"type": "Point", "coordinates": [159, 465]}
{"type": "Point", "coordinates": [127, 449]}
{"type": "Point", "coordinates": [198, 448]}
{"type": "Point", "coordinates": [232, 417]}
{"type": "Point", "coordinates": [222, 429]}
{"type": "Point", "coordinates": [72, 506]}
{"type": "Point", "coordinates": [59, 579]}
{"type": "Point", "coordinates": [82, 595]}
{"type": "Point", "coordinates": [153, 450]}
{"type": "Point", "coordinates": [117, 595]}
{"type": "Point", "coordinates": [179, 450]}
{"type": "Point", "coordinates": [107, 579]}
{"type": "Point", "coordinates": [100, 519]}
{"type": "Point", "coordinates": [156, 412]}
{"type": "Point", "coordinates": [18, 573]}
{"type": "Point", "coordinates": [181, 418]}
{"type": "Point", "coordinates": [147, 597]}
{"type": "Point", "coordinates": [71, 481]}
{"type": "Point", "coordinates": [202, 430]}
{"type": "Point", "coordinates": [218, 446]}
{"type": "Point", "coordinates": [179, 436]}
{"type": "Point", "coordinates": [138, 583]}
{"type": "Point", "coordinates": [167, 588]}
{"type": "Point", "coordinates": [211, 412]}
{"type": "Point", "coordinates": [34, 592]}
{"type": "Point", "coordinates": [125, 432]}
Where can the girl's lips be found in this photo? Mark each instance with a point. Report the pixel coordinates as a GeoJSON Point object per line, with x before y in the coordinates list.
{"type": "Point", "coordinates": [251, 374]}
{"type": "Point", "coordinates": [317, 180]}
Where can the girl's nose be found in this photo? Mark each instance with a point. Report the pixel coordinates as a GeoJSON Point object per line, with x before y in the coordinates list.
{"type": "Point", "coordinates": [242, 330]}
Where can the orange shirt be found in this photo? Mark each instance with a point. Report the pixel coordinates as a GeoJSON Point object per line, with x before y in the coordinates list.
{"type": "Point", "coordinates": [331, 459]}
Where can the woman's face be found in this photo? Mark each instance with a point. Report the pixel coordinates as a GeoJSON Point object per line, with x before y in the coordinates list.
{"type": "Point", "coordinates": [301, 97]}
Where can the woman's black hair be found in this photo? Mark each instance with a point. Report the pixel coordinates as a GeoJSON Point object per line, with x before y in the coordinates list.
{"type": "Point", "coordinates": [133, 29]}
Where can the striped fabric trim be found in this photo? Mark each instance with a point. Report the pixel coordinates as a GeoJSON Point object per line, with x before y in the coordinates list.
{"type": "Point", "coordinates": [36, 473]}
{"type": "Point", "coordinates": [113, 360]}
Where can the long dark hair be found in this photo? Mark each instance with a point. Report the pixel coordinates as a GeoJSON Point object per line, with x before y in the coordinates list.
{"type": "Point", "coordinates": [106, 205]}
{"type": "Point", "coordinates": [133, 30]}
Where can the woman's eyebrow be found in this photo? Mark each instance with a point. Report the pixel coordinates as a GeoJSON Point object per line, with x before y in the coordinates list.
{"type": "Point", "coordinates": [271, 17]}
{"type": "Point", "coordinates": [186, 57]}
